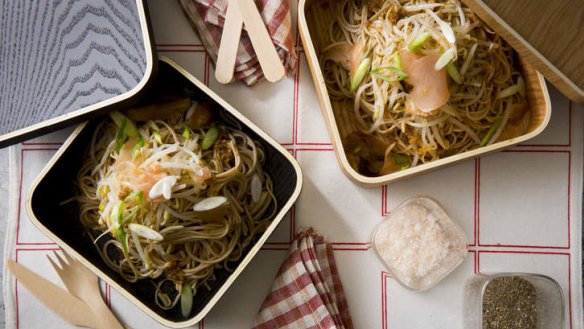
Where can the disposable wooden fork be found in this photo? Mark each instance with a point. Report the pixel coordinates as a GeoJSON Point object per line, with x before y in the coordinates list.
{"type": "Point", "coordinates": [83, 284]}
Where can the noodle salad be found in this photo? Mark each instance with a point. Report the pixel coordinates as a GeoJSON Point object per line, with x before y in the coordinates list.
{"type": "Point", "coordinates": [421, 80]}
{"type": "Point", "coordinates": [177, 198]}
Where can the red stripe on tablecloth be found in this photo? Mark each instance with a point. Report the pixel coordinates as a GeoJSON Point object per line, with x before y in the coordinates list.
{"type": "Point", "coordinates": [18, 220]}
{"type": "Point", "coordinates": [17, 251]}
{"type": "Point", "coordinates": [477, 225]}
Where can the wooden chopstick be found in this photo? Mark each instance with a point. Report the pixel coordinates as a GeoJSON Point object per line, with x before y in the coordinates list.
{"type": "Point", "coordinates": [229, 44]}
{"type": "Point", "coordinates": [262, 42]}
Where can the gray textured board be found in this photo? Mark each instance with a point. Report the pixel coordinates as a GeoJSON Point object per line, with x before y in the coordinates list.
{"type": "Point", "coordinates": [61, 60]}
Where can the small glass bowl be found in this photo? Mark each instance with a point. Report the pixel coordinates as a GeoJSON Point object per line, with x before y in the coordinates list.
{"type": "Point", "coordinates": [548, 305]}
{"type": "Point", "coordinates": [419, 243]}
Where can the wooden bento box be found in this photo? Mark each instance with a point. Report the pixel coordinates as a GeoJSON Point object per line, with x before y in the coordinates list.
{"type": "Point", "coordinates": [61, 222]}
{"type": "Point", "coordinates": [314, 17]}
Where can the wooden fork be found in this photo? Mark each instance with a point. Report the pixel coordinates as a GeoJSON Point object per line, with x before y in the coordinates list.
{"type": "Point", "coordinates": [83, 284]}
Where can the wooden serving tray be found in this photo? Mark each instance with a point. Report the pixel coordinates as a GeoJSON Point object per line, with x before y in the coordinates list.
{"type": "Point", "coordinates": [62, 62]}
{"type": "Point", "coordinates": [548, 34]}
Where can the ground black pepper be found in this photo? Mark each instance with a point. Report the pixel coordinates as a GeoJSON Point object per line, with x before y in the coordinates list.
{"type": "Point", "coordinates": [509, 302]}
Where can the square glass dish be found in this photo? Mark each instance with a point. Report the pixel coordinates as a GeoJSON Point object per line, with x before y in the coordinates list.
{"type": "Point", "coordinates": [518, 300]}
{"type": "Point", "coordinates": [315, 21]}
{"type": "Point", "coordinates": [61, 222]}
{"type": "Point", "coordinates": [419, 243]}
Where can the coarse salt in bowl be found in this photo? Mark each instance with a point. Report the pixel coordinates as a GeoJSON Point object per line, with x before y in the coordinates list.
{"type": "Point", "coordinates": [419, 243]}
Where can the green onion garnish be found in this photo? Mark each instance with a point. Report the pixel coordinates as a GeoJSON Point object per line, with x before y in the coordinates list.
{"type": "Point", "coordinates": [397, 61]}
{"type": "Point", "coordinates": [139, 145]}
{"type": "Point", "coordinates": [153, 125]}
{"type": "Point", "coordinates": [492, 130]}
{"type": "Point", "coordinates": [510, 91]}
{"type": "Point", "coordinates": [400, 160]}
{"type": "Point", "coordinates": [445, 59]}
{"type": "Point", "coordinates": [123, 241]}
{"type": "Point", "coordinates": [118, 230]}
{"type": "Point", "coordinates": [130, 128]}
{"type": "Point", "coordinates": [210, 137]}
{"type": "Point", "coordinates": [121, 136]}
{"type": "Point", "coordinates": [157, 137]}
{"type": "Point", "coordinates": [186, 133]}
{"type": "Point", "coordinates": [521, 84]}
{"type": "Point", "coordinates": [186, 300]}
{"type": "Point", "coordinates": [360, 74]}
{"type": "Point", "coordinates": [453, 73]}
{"type": "Point", "coordinates": [396, 74]}
{"type": "Point", "coordinates": [419, 40]}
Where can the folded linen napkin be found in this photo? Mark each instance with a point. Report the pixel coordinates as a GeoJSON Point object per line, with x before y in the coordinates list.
{"type": "Point", "coordinates": [307, 292]}
{"type": "Point", "coordinates": [207, 18]}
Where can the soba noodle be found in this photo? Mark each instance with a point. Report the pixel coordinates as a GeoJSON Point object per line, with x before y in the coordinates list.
{"type": "Point", "coordinates": [365, 66]}
{"type": "Point", "coordinates": [143, 193]}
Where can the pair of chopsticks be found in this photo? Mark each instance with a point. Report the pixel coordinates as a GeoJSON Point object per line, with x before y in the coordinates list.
{"type": "Point", "coordinates": [240, 12]}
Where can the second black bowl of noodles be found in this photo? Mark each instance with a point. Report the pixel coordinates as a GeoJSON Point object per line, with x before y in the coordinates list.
{"type": "Point", "coordinates": [61, 222]}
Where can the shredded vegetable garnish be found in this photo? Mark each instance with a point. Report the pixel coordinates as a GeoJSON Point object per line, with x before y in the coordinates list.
{"type": "Point", "coordinates": [360, 74]}
{"type": "Point", "coordinates": [172, 203]}
{"type": "Point", "coordinates": [439, 81]}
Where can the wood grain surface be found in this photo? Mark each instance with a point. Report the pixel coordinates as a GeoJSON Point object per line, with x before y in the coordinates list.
{"type": "Point", "coordinates": [554, 29]}
{"type": "Point", "coordinates": [58, 57]}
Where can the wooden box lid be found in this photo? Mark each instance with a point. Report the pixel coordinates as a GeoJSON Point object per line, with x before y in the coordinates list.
{"type": "Point", "coordinates": [549, 35]}
{"type": "Point", "coordinates": [62, 62]}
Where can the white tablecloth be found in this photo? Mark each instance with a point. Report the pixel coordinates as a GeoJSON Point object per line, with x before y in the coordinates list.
{"type": "Point", "coordinates": [521, 208]}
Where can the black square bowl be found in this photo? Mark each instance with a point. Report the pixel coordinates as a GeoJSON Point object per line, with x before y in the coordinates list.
{"type": "Point", "coordinates": [61, 222]}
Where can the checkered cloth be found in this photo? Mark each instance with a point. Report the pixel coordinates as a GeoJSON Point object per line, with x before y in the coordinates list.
{"type": "Point", "coordinates": [307, 292]}
{"type": "Point", "coordinates": [207, 18]}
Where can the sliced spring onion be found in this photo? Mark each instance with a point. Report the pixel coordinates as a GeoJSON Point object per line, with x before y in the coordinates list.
{"type": "Point", "coordinates": [509, 91]}
{"type": "Point", "coordinates": [153, 125]}
{"type": "Point", "coordinates": [492, 131]}
{"type": "Point", "coordinates": [186, 300]}
{"type": "Point", "coordinates": [145, 232]}
{"type": "Point", "coordinates": [444, 27]}
{"type": "Point", "coordinates": [397, 61]}
{"type": "Point", "coordinates": [419, 40]}
{"type": "Point", "coordinates": [118, 118]}
{"type": "Point", "coordinates": [163, 187]}
{"type": "Point", "coordinates": [400, 160]}
{"type": "Point", "coordinates": [130, 128]}
{"type": "Point", "coordinates": [121, 136]}
{"type": "Point", "coordinates": [360, 74]}
{"type": "Point", "coordinates": [157, 137]}
{"type": "Point", "coordinates": [119, 216]}
{"type": "Point", "coordinates": [138, 199]}
{"type": "Point", "coordinates": [256, 188]}
{"type": "Point", "coordinates": [135, 196]}
{"type": "Point", "coordinates": [139, 145]}
{"type": "Point", "coordinates": [124, 241]}
{"type": "Point", "coordinates": [357, 150]}
{"type": "Point", "coordinates": [445, 59]}
{"type": "Point", "coordinates": [453, 72]}
{"type": "Point", "coordinates": [213, 208]}
{"type": "Point", "coordinates": [521, 83]}
{"type": "Point", "coordinates": [186, 133]}
{"type": "Point", "coordinates": [210, 138]}
{"type": "Point", "coordinates": [396, 74]}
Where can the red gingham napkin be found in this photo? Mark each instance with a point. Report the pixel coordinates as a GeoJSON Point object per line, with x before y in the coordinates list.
{"type": "Point", "coordinates": [307, 292]}
{"type": "Point", "coordinates": [207, 18]}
